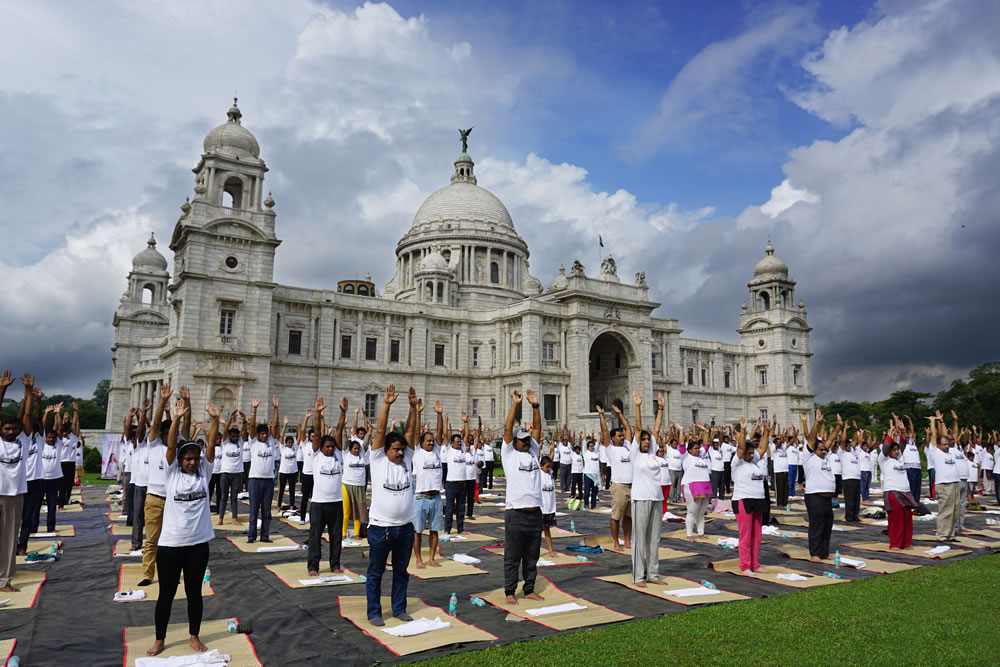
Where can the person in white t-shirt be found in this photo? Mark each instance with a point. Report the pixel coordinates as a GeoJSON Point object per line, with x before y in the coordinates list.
{"type": "Point", "coordinates": [591, 474]}
{"type": "Point", "coordinates": [850, 466]}
{"type": "Point", "coordinates": [750, 500]}
{"type": "Point", "coordinates": [576, 470]}
{"type": "Point", "coordinates": [14, 439]}
{"type": "Point", "coordinates": [392, 511]}
{"type": "Point", "coordinates": [305, 448]}
{"type": "Point", "coordinates": [156, 472]}
{"type": "Point", "coordinates": [32, 438]}
{"type": "Point", "coordinates": [50, 455]}
{"type": "Point", "coordinates": [821, 487]}
{"type": "Point", "coordinates": [230, 451]}
{"type": "Point", "coordinates": [899, 501]}
{"type": "Point", "coordinates": [696, 485]}
{"type": "Point", "coordinates": [565, 460]}
{"type": "Point", "coordinates": [716, 470]}
{"type": "Point", "coordinates": [779, 454]}
{"type": "Point", "coordinates": [489, 462]}
{"type": "Point", "coordinates": [864, 453]}
{"type": "Point", "coordinates": [523, 515]}
{"type": "Point", "coordinates": [454, 486]}
{"type": "Point", "coordinates": [613, 443]}
{"type": "Point", "coordinates": [647, 498]}
{"type": "Point", "coordinates": [326, 510]}
{"type": "Point", "coordinates": [941, 452]}
{"type": "Point", "coordinates": [288, 470]}
{"type": "Point", "coordinates": [548, 498]}
{"type": "Point", "coordinates": [430, 487]}
{"type": "Point", "coordinates": [70, 431]}
{"type": "Point", "coordinates": [261, 482]}
{"type": "Point", "coordinates": [728, 450]}
{"type": "Point", "coordinates": [187, 526]}
{"type": "Point", "coordinates": [140, 476]}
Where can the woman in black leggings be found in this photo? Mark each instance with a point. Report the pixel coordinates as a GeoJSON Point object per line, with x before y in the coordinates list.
{"type": "Point", "coordinates": [187, 527]}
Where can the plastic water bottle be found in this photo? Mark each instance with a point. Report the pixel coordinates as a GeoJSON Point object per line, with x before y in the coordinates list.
{"type": "Point", "coordinates": [836, 559]}
{"type": "Point", "coordinates": [231, 625]}
{"type": "Point", "coordinates": [479, 602]}
{"type": "Point", "coordinates": [708, 584]}
{"type": "Point", "coordinates": [583, 559]}
{"type": "Point", "coordinates": [572, 526]}
{"type": "Point", "coordinates": [362, 578]}
{"type": "Point", "coordinates": [832, 575]}
{"type": "Point", "coordinates": [14, 661]}
{"type": "Point", "coordinates": [453, 605]}
{"type": "Point", "coordinates": [208, 575]}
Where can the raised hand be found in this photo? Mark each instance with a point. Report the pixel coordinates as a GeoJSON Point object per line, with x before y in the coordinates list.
{"type": "Point", "coordinates": [165, 392]}
{"type": "Point", "coordinates": [36, 392]}
{"type": "Point", "coordinates": [343, 405]}
{"type": "Point", "coordinates": [212, 410]}
{"type": "Point", "coordinates": [659, 400]}
{"type": "Point", "coordinates": [27, 380]}
{"type": "Point", "coordinates": [599, 409]}
{"type": "Point", "coordinates": [437, 407]}
{"type": "Point", "coordinates": [637, 398]}
{"type": "Point", "coordinates": [274, 401]}
{"type": "Point", "coordinates": [356, 411]}
{"type": "Point", "coordinates": [420, 405]}
{"type": "Point", "coordinates": [616, 409]}
{"type": "Point", "coordinates": [411, 396]}
{"type": "Point", "coordinates": [465, 417]}
{"type": "Point", "coordinates": [390, 394]}
{"type": "Point", "coordinates": [255, 402]}
{"type": "Point", "coordinates": [6, 379]}
{"type": "Point", "coordinates": [516, 396]}
{"type": "Point", "coordinates": [180, 409]}
{"type": "Point", "coordinates": [284, 425]}
{"type": "Point", "coordinates": [184, 392]}
{"type": "Point", "coordinates": [320, 405]}
{"type": "Point", "coordinates": [532, 398]}
{"type": "Point", "coordinates": [146, 405]}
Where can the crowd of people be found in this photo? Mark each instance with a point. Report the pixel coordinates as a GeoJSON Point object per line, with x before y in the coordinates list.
{"type": "Point", "coordinates": [178, 473]}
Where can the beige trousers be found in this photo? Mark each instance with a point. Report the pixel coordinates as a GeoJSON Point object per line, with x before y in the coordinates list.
{"type": "Point", "coordinates": [947, 497]}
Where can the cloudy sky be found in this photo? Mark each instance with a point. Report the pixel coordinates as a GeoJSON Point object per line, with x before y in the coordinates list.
{"type": "Point", "coordinates": [863, 138]}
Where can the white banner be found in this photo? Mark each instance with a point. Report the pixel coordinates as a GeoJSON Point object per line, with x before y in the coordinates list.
{"type": "Point", "coordinates": [110, 453]}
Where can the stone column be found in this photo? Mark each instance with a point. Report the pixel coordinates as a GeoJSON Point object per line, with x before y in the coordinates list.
{"type": "Point", "coordinates": [489, 265]}
{"type": "Point", "coordinates": [503, 269]}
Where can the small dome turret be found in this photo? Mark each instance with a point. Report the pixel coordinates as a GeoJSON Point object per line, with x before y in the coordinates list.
{"type": "Point", "coordinates": [231, 139]}
{"type": "Point", "coordinates": [149, 260]}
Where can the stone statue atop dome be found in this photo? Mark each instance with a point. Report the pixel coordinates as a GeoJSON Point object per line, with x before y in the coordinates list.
{"type": "Point", "coordinates": [577, 267]}
{"type": "Point", "coordinates": [608, 268]}
{"type": "Point", "coordinates": [465, 138]}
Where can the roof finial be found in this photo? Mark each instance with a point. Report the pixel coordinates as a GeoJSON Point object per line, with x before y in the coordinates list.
{"type": "Point", "coordinates": [234, 112]}
{"type": "Point", "coordinates": [465, 138]}
{"type": "Point", "coordinates": [152, 240]}
{"type": "Point", "coordinates": [769, 250]}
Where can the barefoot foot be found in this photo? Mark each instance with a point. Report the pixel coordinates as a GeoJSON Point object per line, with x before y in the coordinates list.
{"type": "Point", "coordinates": [420, 565]}
{"type": "Point", "coordinates": [197, 645]}
{"type": "Point", "coordinates": [510, 600]}
{"type": "Point", "coordinates": [534, 596]}
{"type": "Point", "coordinates": [433, 563]}
{"type": "Point", "coordinates": [313, 573]}
{"type": "Point", "coordinates": [156, 648]}
{"type": "Point", "coordinates": [10, 589]}
{"type": "Point", "coordinates": [640, 584]}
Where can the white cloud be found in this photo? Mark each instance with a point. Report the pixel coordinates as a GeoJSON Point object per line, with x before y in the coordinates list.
{"type": "Point", "coordinates": [783, 197]}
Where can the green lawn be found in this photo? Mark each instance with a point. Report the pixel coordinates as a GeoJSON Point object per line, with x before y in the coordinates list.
{"type": "Point", "coordinates": [93, 478]}
{"type": "Point", "coordinates": [941, 614]}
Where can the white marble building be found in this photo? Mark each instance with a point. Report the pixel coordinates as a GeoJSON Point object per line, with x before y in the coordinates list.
{"type": "Point", "coordinates": [462, 320]}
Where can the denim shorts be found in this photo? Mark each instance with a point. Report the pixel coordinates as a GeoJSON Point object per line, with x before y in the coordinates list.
{"type": "Point", "coordinates": [429, 514]}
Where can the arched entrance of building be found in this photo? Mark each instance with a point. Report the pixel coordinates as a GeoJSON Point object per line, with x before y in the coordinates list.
{"type": "Point", "coordinates": [609, 374]}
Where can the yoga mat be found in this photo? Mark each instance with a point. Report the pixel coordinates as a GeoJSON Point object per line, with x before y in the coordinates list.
{"type": "Point", "coordinates": [804, 523]}
{"type": "Point", "coordinates": [123, 547]}
{"type": "Point", "coordinates": [606, 543]}
{"type": "Point", "coordinates": [791, 533]}
{"type": "Point", "coordinates": [30, 584]}
{"type": "Point", "coordinates": [484, 520]}
{"type": "Point", "coordinates": [214, 635]}
{"type": "Point", "coordinates": [559, 560]}
{"type": "Point", "coordinates": [116, 518]}
{"type": "Point", "coordinates": [290, 573]}
{"type": "Point", "coordinates": [871, 564]}
{"type": "Point", "coordinates": [682, 535]}
{"type": "Point", "coordinates": [130, 574]}
{"type": "Point", "coordinates": [914, 550]}
{"type": "Point", "coordinates": [449, 568]}
{"type": "Point", "coordinates": [971, 542]}
{"type": "Point", "coordinates": [120, 530]}
{"type": "Point", "coordinates": [656, 588]}
{"type": "Point", "coordinates": [594, 614]}
{"type": "Point", "coordinates": [73, 508]}
{"type": "Point", "coordinates": [355, 610]}
{"type": "Point", "coordinates": [469, 537]}
{"type": "Point", "coordinates": [6, 649]}
{"type": "Point", "coordinates": [61, 531]}
{"type": "Point", "coordinates": [276, 541]}
{"type": "Point", "coordinates": [228, 527]}
{"type": "Point", "coordinates": [295, 524]}
{"type": "Point", "coordinates": [771, 572]}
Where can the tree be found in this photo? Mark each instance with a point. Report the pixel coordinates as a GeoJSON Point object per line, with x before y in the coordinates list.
{"type": "Point", "coordinates": [903, 402]}
{"type": "Point", "coordinates": [976, 401]}
{"type": "Point", "coordinates": [101, 394]}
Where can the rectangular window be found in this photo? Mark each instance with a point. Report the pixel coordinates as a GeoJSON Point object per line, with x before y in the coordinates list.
{"type": "Point", "coordinates": [371, 404]}
{"type": "Point", "coordinates": [226, 318]}
{"type": "Point", "coordinates": [493, 356]}
{"type": "Point", "coordinates": [394, 351]}
{"type": "Point", "coordinates": [694, 416]}
{"type": "Point", "coordinates": [294, 342]}
{"type": "Point", "coordinates": [795, 376]}
{"type": "Point", "coordinates": [690, 376]}
{"type": "Point", "coordinates": [763, 378]}
{"type": "Point", "coordinates": [371, 348]}
{"type": "Point", "coordinates": [517, 351]}
{"type": "Point", "coordinates": [475, 407]}
{"type": "Point", "coordinates": [548, 351]}
{"type": "Point", "coordinates": [550, 407]}
{"type": "Point", "coordinates": [725, 379]}
{"type": "Point", "coordinates": [654, 362]}
{"type": "Point", "coordinates": [475, 356]}
{"type": "Point", "coordinates": [439, 355]}
{"type": "Point", "coordinates": [493, 407]}
{"type": "Point", "coordinates": [763, 414]}
{"type": "Point", "coordinates": [704, 377]}
{"type": "Point", "coordinates": [345, 347]}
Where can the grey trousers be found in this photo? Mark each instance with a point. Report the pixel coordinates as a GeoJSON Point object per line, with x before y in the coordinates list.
{"type": "Point", "coordinates": [963, 500]}
{"type": "Point", "coordinates": [10, 521]}
{"type": "Point", "coordinates": [139, 516]}
{"type": "Point", "coordinates": [675, 485]}
{"type": "Point", "coordinates": [647, 519]}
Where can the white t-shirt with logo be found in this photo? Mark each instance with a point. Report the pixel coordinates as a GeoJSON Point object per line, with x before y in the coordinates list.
{"type": "Point", "coordinates": [427, 468]}
{"type": "Point", "coordinates": [392, 489]}
{"type": "Point", "coordinates": [548, 493]}
{"type": "Point", "coordinates": [645, 472]}
{"type": "Point", "coordinates": [68, 450]}
{"type": "Point", "coordinates": [819, 473]}
{"type": "Point", "coordinates": [328, 474]}
{"type": "Point", "coordinates": [231, 454]}
{"type": "Point", "coordinates": [156, 469]}
{"type": "Point", "coordinates": [51, 457]}
{"type": "Point", "coordinates": [306, 447]}
{"type": "Point", "coordinates": [262, 458]}
{"type": "Point", "coordinates": [187, 517]}
{"type": "Point", "coordinates": [716, 462]}
{"type": "Point", "coordinates": [945, 469]}
{"type": "Point", "coordinates": [524, 476]}
{"type": "Point", "coordinates": [33, 458]}
{"type": "Point", "coordinates": [140, 471]}
{"type": "Point", "coordinates": [850, 464]}
{"type": "Point", "coordinates": [577, 464]}
{"type": "Point", "coordinates": [592, 462]}
{"type": "Point", "coordinates": [289, 459]}
{"type": "Point", "coordinates": [893, 474]}
{"type": "Point", "coordinates": [456, 464]}
{"type": "Point", "coordinates": [675, 459]}
{"type": "Point", "coordinates": [13, 480]}
{"type": "Point", "coordinates": [779, 454]}
{"type": "Point", "coordinates": [621, 464]}
{"type": "Point", "coordinates": [696, 466]}
{"type": "Point", "coordinates": [354, 468]}
{"type": "Point", "coordinates": [748, 478]}
{"type": "Point", "coordinates": [470, 464]}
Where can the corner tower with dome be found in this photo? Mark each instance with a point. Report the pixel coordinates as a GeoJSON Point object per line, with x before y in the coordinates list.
{"type": "Point", "coordinates": [462, 320]}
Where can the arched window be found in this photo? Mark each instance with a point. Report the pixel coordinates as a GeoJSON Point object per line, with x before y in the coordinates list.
{"type": "Point", "coordinates": [440, 291]}
{"type": "Point", "coordinates": [148, 294]}
{"type": "Point", "coordinates": [234, 189]}
{"type": "Point", "coordinates": [618, 360]}
{"type": "Point", "coordinates": [429, 292]}
{"type": "Point", "coordinates": [765, 301]}
{"type": "Point", "coordinates": [784, 299]}
{"type": "Point", "coordinates": [494, 273]}
{"type": "Point", "coordinates": [348, 289]}
{"type": "Point", "coordinates": [363, 290]}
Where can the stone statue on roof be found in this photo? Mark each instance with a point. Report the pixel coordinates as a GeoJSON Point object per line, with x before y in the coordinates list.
{"type": "Point", "coordinates": [465, 138]}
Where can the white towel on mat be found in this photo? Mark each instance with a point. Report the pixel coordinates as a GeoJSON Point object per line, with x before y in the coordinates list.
{"type": "Point", "coordinates": [791, 576]}
{"type": "Point", "coordinates": [130, 596]}
{"type": "Point", "coordinates": [211, 658]}
{"type": "Point", "coordinates": [556, 609]}
{"type": "Point", "coordinates": [333, 579]}
{"type": "Point", "coordinates": [466, 559]}
{"type": "Point", "coordinates": [693, 592]}
{"type": "Point", "coordinates": [417, 627]}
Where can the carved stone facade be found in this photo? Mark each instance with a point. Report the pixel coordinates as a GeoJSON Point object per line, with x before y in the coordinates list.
{"type": "Point", "coordinates": [462, 320]}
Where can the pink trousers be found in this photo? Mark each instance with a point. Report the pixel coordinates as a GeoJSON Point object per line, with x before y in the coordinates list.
{"type": "Point", "coordinates": [750, 526]}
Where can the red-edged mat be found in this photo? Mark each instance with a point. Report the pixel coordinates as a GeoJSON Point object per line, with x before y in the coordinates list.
{"type": "Point", "coordinates": [572, 560]}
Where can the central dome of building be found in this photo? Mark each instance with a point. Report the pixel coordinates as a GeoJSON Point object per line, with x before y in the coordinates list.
{"type": "Point", "coordinates": [463, 199]}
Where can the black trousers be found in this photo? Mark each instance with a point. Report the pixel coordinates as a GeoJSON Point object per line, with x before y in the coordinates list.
{"type": "Point", "coordinates": [718, 484]}
{"type": "Point", "coordinates": [852, 499]}
{"type": "Point", "coordinates": [288, 478]}
{"type": "Point", "coordinates": [229, 488]}
{"type": "Point", "coordinates": [839, 485]}
{"type": "Point", "coordinates": [50, 489]}
{"type": "Point", "coordinates": [576, 486]}
{"type": "Point", "coordinates": [820, 510]}
{"type": "Point", "coordinates": [727, 477]}
{"type": "Point", "coordinates": [606, 475]}
{"type": "Point", "coordinates": [170, 563]}
{"type": "Point", "coordinates": [566, 476]}
{"type": "Point", "coordinates": [470, 497]}
{"type": "Point", "coordinates": [454, 505]}
{"type": "Point", "coordinates": [307, 491]}
{"type": "Point", "coordinates": [521, 546]}
{"type": "Point", "coordinates": [328, 517]}
{"type": "Point", "coordinates": [486, 476]}
{"type": "Point", "coordinates": [66, 483]}
{"type": "Point", "coordinates": [29, 513]}
{"type": "Point", "coordinates": [781, 488]}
